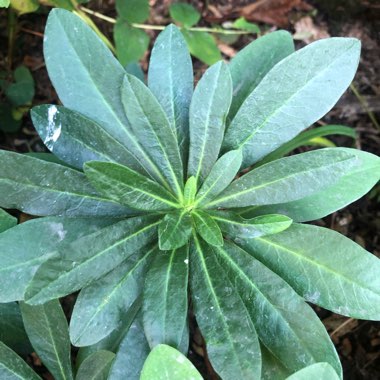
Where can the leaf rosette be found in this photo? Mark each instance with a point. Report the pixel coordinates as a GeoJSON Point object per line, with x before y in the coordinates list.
{"type": "Point", "coordinates": [147, 203]}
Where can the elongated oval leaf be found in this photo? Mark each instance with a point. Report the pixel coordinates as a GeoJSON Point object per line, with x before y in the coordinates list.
{"type": "Point", "coordinates": [133, 10]}
{"type": "Point", "coordinates": [294, 94]}
{"type": "Point", "coordinates": [47, 329]}
{"type": "Point", "coordinates": [43, 188]}
{"type": "Point", "coordinates": [208, 111]}
{"type": "Point", "coordinates": [152, 128]}
{"type": "Point", "coordinates": [333, 272]}
{"type": "Point", "coordinates": [166, 363]}
{"type": "Point", "coordinates": [288, 178]}
{"type": "Point", "coordinates": [125, 186]}
{"type": "Point", "coordinates": [165, 300]}
{"type": "Point", "coordinates": [96, 366]}
{"type": "Point", "coordinates": [103, 302]}
{"type": "Point", "coordinates": [13, 367]}
{"type": "Point", "coordinates": [170, 78]}
{"type": "Point", "coordinates": [78, 264]}
{"type": "Point", "coordinates": [251, 64]}
{"type": "Point", "coordinates": [6, 221]}
{"type": "Point", "coordinates": [315, 371]}
{"type": "Point", "coordinates": [76, 139]}
{"type": "Point", "coordinates": [190, 191]}
{"type": "Point", "coordinates": [184, 14]}
{"type": "Point", "coordinates": [207, 228]}
{"type": "Point", "coordinates": [235, 226]}
{"type": "Point", "coordinates": [21, 257]}
{"type": "Point", "coordinates": [352, 186]}
{"type": "Point", "coordinates": [221, 175]}
{"type": "Point", "coordinates": [174, 230]}
{"type": "Point", "coordinates": [282, 319]}
{"type": "Point", "coordinates": [232, 344]}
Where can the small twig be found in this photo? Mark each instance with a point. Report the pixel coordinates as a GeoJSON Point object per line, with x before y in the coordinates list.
{"type": "Point", "coordinates": [349, 320]}
{"type": "Point", "coordinates": [364, 104]}
{"type": "Point", "coordinates": [162, 27]}
{"type": "Point", "coordinates": [38, 34]}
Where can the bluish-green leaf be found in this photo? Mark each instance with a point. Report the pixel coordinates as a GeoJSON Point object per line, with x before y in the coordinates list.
{"type": "Point", "coordinates": [152, 128]}
{"type": "Point", "coordinates": [272, 369]}
{"type": "Point", "coordinates": [184, 13]}
{"type": "Point", "coordinates": [100, 306]}
{"type": "Point", "coordinates": [232, 343]}
{"type": "Point", "coordinates": [47, 329]}
{"type": "Point", "coordinates": [208, 111]}
{"type": "Point", "coordinates": [207, 228]}
{"type": "Point", "coordinates": [235, 226]}
{"type": "Point", "coordinates": [136, 70]}
{"type": "Point", "coordinates": [12, 367]}
{"type": "Point", "coordinates": [221, 175]}
{"type": "Point", "coordinates": [133, 10]}
{"type": "Point", "coordinates": [96, 366]}
{"type": "Point", "coordinates": [288, 178]}
{"type": "Point", "coordinates": [166, 363]}
{"type": "Point", "coordinates": [78, 264]}
{"type": "Point", "coordinates": [352, 186]}
{"type": "Point", "coordinates": [251, 64]}
{"type": "Point", "coordinates": [202, 45]}
{"type": "Point", "coordinates": [298, 91]}
{"type": "Point", "coordinates": [327, 268]}
{"type": "Point", "coordinates": [6, 221]}
{"type": "Point", "coordinates": [282, 319]}
{"type": "Point", "coordinates": [174, 230]}
{"type": "Point", "coordinates": [165, 299]}
{"type": "Point", "coordinates": [315, 371]}
{"type": "Point", "coordinates": [125, 186]}
{"type": "Point", "coordinates": [76, 139]}
{"type": "Point", "coordinates": [170, 78]}
{"type": "Point", "coordinates": [25, 247]}
{"type": "Point", "coordinates": [43, 188]}
{"type": "Point", "coordinates": [131, 43]}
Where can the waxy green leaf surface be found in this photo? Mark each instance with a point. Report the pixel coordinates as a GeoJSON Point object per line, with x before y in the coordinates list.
{"type": "Point", "coordinates": [174, 230]}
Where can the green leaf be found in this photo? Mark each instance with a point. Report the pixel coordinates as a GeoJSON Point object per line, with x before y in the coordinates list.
{"type": "Point", "coordinates": [98, 97]}
{"type": "Point", "coordinates": [136, 70]}
{"type": "Point", "coordinates": [190, 191]}
{"type": "Point", "coordinates": [125, 186]}
{"type": "Point", "coordinates": [221, 175]}
{"type": "Point", "coordinates": [315, 371]}
{"type": "Point", "coordinates": [281, 317]}
{"type": "Point", "coordinates": [242, 23]}
{"type": "Point", "coordinates": [165, 300]}
{"type": "Point", "coordinates": [288, 178]}
{"type": "Point", "coordinates": [309, 81]}
{"type": "Point", "coordinates": [235, 226]}
{"type": "Point", "coordinates": [131, 354]}
{"type": "Point", "coordinates": [87, 259]}
{"type": "Point", "coordinates": [185, 14]}
{"type": "Point", "coordinates": [25, 6]}
{"type": "Point", "coordinates": [152, 128]}
{"type": "Point", "coordinates": [25, 247]}
{"type": "Point", "coordinates": [346, 282]}
{"type": "Point", "coordinates": [105, 301]}
{"type": "Point", "coordinates": [174, 230]}
{"type": "Point", "coordinates": [231, 340]}
{"type": "Point", "coordinates": [47, 329]}
{"type": "Point", "coordinates": [207, 228]}
{"type": "Point", "coordinates": [307, 138]}
{"type": "Point", "coordinates": [131, 43]}
{"type": "Point", "coordinates": [202, 46]}
{"type": "Point", "coordinates": [251, 64]}
{"type": "Point", "coordinates": [133, 10]}
{"type": "Point", "coordinates": [12, 367]}
{"type": "Point", "coordinates": [208, 112]}
{"type": "Point", "coordinates": [96, 366]}
{"type": "Point", "coordinates": [44, 188]}
{"type": "Point", "coordinates": [348, 189]}
{"type": "Point", "coordinates": [76, 139]}
{"type": "Point", "coordinates": [4, 3]}
{"type": "Point", "coordinates": [12, 332]}
{"type": "Point", "coordinates": [170, 78]}
{"type": "Point", "coordinates": [166, 363]}
{"type": "Point", "coordinates": [21, 92]}
{"type": "Point", "coordinates": [272, 369]}
{"type": "Point", "coordinates": [6, 221]}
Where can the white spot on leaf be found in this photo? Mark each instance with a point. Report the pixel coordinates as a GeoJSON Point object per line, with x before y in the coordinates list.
{"type": "Point", "coordinates": [52, 131]}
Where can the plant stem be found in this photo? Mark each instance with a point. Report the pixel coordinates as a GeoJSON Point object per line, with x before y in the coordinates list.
{"type": "Point", "coordinates": [364, 104]}
{"type": "Point", "coordinates": [162, 27]}
{"type": "Point", "coordinates": [12, 25]}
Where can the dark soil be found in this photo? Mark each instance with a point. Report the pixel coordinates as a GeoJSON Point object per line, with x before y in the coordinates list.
{"type": "Point", "coordinates": [358, 342]}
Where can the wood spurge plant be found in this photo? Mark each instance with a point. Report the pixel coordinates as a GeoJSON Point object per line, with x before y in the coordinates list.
{"type": "Point", "coordinates": [158, 201]}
